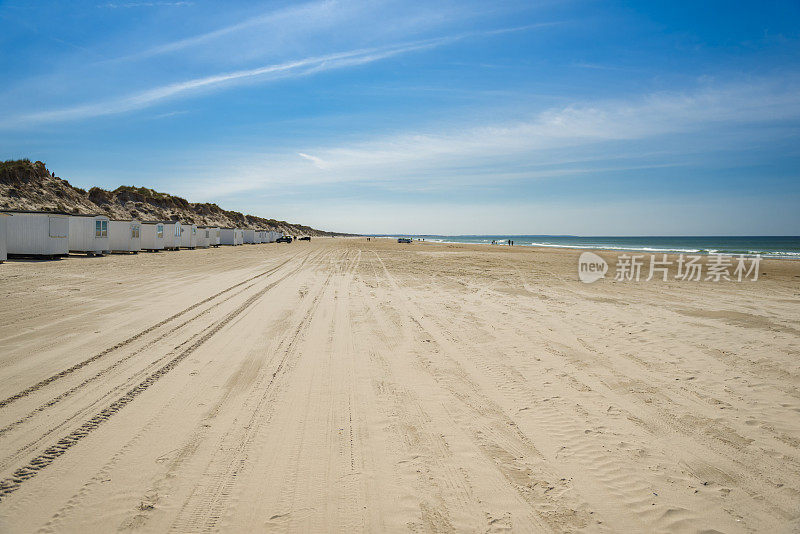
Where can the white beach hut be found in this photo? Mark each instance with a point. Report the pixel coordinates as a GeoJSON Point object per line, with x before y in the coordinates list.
{"type": "Point", "coordinates": [203, 236]}
{"type": "Point", "coordinates": [249, 236]}
{"type": "Point", "coordinates": [172, 235]}
{"type": "Point", "coordinates": [89, 234]}
{"type": "Point", "coordinates": [152, 235]}
{"type": "Point", "coordinates": [189, 236]}
{"type": "Point", "coordinates": [125, 235]}
{"type": "Point", "coordinates": [239, 235]}
{"type": "Point", "coordinates": [227, 236]}
{"type": "Point", "coordinates": [37, 233]}
{"type": "Point", "coordinates": [214, 239]}
{"type": "Point", "coordinates": [3, 234]}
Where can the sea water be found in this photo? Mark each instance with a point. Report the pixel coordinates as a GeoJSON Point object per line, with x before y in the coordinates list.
{"type": "Point", "coordinates": [766, 246]}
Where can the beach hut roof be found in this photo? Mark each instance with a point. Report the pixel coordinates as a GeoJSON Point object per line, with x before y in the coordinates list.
{"type": "Point", "coordinates": [43, 212]}
{"type": "Point", "coordinates": [89, 215]}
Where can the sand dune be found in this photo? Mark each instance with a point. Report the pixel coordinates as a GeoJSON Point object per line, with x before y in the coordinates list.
{"type": "Point", "coordinates": [344, 385]}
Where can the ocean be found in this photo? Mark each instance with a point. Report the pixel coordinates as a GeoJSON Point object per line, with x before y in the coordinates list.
{"type": "Point", "coordinates": [766, 246]}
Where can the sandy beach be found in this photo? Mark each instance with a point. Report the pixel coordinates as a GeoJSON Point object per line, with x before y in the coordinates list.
{"type": "Point", "coordinates": [351, 386]}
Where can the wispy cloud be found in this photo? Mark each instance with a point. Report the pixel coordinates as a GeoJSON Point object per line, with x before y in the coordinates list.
{"type": "Point", "coordinates": [318, 162]}
{"type": "Point", "coordinates": [290, 69]}
{"type": "Point", "coordinates": [548, 144]}
{"type": "Point", "coordinates": [291, 15]}
{"type": "Point", "coordinates": [169, 114]}
{"type": "Point", "coordinates": [119, 5]}
{"type": "Point", "coordinates": [304, 19]}
{"type": "Point", "coordinates": [151, 97]}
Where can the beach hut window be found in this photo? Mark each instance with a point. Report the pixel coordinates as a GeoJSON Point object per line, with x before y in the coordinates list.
{"type": "Point", "coordinates": [177, 231]}
{"type": "Point", "coordinates": [134, 232]}
{"type": "Point", "coordinates": [101, 228]}
{"type": "Point", "coordinates": [160, 230]}
{"type": "Point", "coordinates": [194, 231]}
{"type": "Point", "coordinates": [58, 228]}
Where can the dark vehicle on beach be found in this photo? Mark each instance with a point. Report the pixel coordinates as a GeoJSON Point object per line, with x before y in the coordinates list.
{"type": "Point", "coordinates": [404, 240]}
{"type": "Point", "coordinates": [305, 238]}
{"type": "Point", "coordinates": [284, 239]}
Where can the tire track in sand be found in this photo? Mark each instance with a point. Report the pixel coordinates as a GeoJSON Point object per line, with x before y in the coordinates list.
{"type": "Point", "coordinates": [204, 507]}
{"type": "Point", "coordinates": [62, 396]}
{"type": "Point", "coordinates": [61, 374]}
{"type": "Point", "coordinates": [32, 468]}
{"type": "Point", "coordinates": [494, 433]}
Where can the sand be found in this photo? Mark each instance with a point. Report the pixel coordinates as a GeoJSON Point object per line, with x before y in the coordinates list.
{"type": "Point", "coordinates": [344, 385]}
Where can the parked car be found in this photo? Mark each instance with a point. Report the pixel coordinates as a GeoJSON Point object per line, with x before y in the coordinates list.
{"type": "Point", "coordinates": [284, 239]}
{"type": "Point", "coordinates": [404, 240]}
{"type": "Point", "coordinates": [305, 238]}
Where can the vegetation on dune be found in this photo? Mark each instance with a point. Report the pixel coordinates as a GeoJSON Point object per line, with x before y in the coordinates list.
{"type": "Point", "coordinates": [29, 185]}
{"type": "Point", "coordinates": [19, 170]}
{"type": "Point", "coordinates": [144, 192]}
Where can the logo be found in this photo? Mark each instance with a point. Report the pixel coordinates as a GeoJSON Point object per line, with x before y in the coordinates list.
{"type": "Point", "coordinates": [591, 267]}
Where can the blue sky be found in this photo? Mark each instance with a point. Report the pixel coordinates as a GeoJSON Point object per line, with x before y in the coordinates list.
{"type": "Point", "coordinates": [588, 118]}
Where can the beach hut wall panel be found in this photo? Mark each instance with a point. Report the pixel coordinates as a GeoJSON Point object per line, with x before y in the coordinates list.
{"type": "Point", "coordinates": [214, 240]}
{"type": "Point", "coordinates": [37, 233]}
{"type": "Point", "coordinates": [125, 235]}
{"type": "Point", "coordinates": [203, 237]}
{"type": "Point", "coordinates": [89, 233]}
{"type": "Point", "coordinates": [152, 233]}
{"type": "Point", "coordinates": [3, 237]}
{"type": "Point", "coordinates": [189, 236]}
{"type": "Point", "coordinates": [227, 236]}
{"type": "Point", "coordinates": [249, 236]}
{"type": "Point", "coordinates": [239, 235]}
{"type": "Point", "coordinates": [172, 235]}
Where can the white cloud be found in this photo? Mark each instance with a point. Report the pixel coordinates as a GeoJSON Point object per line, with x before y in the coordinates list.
{"type": "Point", "coordinates": [318, 162]}
{"type": "Point", "coordinates": [290, 69]}
{"type": "Point", "coordinates": [118, 5]}
{"type": "Point", "coordinates": [293, 16]}
{"type": "Point", "coordinates": [556, 142]}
